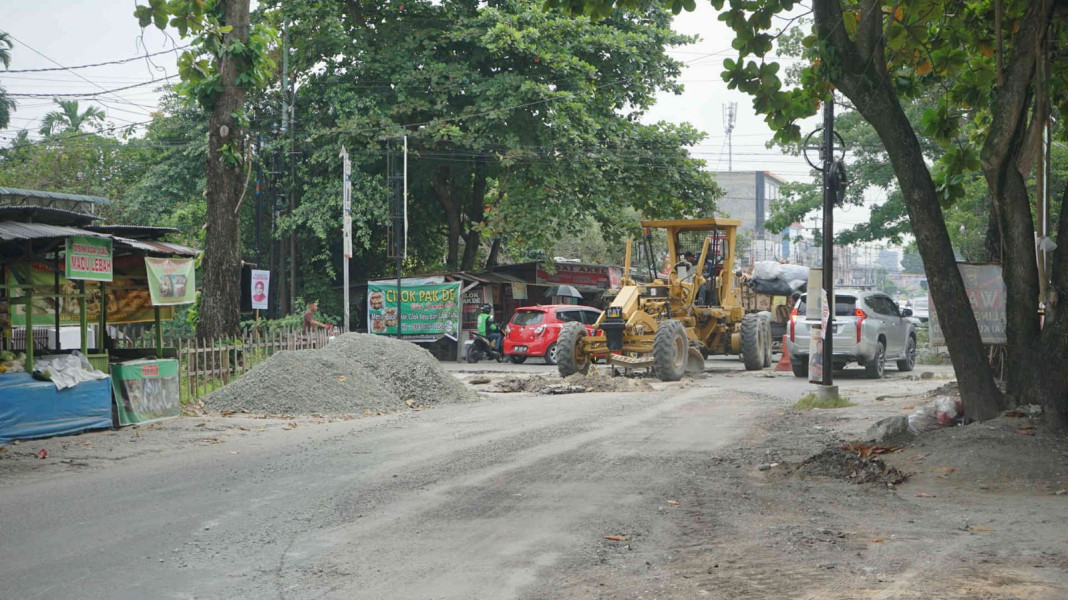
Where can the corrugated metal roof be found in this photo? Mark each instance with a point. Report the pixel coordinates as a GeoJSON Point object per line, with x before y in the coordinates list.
{"type": "Point", "coordinates": [11, 230]}
{"type": "Point", "coordinates": [44, 214]}
{"type": "Point", "coordinates": [137, 232]}
{"type": "Point", "coordinates": [155, 247]}
{"type": "Point", "coordinates": [19, 193]}
{"type": "Point", "coordinates": [485, 277]}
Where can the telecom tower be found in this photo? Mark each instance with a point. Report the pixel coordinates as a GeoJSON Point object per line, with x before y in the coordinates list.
{"type": "Point", "coordinates": [729, 113]}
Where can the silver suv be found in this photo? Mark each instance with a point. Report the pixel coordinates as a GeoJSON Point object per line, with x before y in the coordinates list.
{"type": "Point", "coordinates": [869, 329]}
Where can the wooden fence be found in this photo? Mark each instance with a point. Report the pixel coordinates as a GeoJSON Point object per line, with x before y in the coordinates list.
{"type": "Point", "coordinates": [206, 365]}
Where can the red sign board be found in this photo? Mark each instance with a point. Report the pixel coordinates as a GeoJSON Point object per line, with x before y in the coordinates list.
{"type": "Point", "coordinates": [587, 276]}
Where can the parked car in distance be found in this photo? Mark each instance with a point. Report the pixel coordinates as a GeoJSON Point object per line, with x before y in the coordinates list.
{"type": "Point", "coordinates": [533, 330]}
{"type": "Point", "coordinates": [920, 308]}
{"type": "Point", "coordinates": [869, 329]}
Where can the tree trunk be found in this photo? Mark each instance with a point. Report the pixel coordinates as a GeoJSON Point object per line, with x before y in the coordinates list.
{"type": "Point", "coordinates": [494, 254]}
{"type": "Point", "coordinates": [862, 77]}
{"type": "Point", "coordinates": [443, 190]}
{"type": "Point", "coordinates": [221, 268]}
{"type": "Point", "coordinates": [475, 214]}
{"type": "Point", "coordinates": [1055, 330]}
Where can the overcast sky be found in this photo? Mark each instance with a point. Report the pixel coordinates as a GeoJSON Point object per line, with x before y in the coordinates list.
{"type": "Point", "coordinates": [52, 33]}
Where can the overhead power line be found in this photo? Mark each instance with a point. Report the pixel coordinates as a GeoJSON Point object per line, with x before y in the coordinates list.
{"type": "Point", "coordinates": [93, 94]}
{"type": "Point", "coordinates": [99, 64]}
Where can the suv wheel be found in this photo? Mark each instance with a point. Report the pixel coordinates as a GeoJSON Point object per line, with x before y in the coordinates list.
{"type": "Point", "coordinates": [877, 365]}
{"type": "Point", "coordinates": [800, 367]}
{"type": "Point", "coordinates": [909, 362]}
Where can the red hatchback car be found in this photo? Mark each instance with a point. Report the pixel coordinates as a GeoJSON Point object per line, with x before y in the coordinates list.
{"type": "Point", "coordinates": [533, 329]}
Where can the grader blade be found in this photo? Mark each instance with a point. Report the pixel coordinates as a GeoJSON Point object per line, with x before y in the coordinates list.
{"type": "Point", "coordinates": [630, 362]}
{"type": "Point", "coordinates": [695, 361]}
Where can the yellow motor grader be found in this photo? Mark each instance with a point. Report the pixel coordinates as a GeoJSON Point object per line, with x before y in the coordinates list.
{"type": "Point", "coordinates": [688, 311]}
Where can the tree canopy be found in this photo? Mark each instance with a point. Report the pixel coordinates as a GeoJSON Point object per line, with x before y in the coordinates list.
{"type": "Point", "coordinates": [521, 123]}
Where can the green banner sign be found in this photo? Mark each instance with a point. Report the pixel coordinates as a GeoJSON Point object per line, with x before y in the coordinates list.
{"type": "Point", "coordinates": [145, 390]}
{"type": "Point", "coordinates": [89, 258]}
{"type": "Point", "coordinates": [171, 280]}
{"type": "Point", "coordinates": [425, 310]}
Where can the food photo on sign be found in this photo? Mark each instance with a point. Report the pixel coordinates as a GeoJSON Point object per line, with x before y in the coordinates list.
{"type": "Point", "coordinates": [171, 280]}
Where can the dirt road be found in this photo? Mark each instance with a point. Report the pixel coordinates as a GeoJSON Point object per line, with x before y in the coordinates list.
{"type": "Point", "coordinates": [678, 493]}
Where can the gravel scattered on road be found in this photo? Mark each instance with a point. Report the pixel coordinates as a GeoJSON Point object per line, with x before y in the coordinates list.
{"type": "Point", "coordinates": [355, 374]}
{"type": "Point", "coordinates": [596, 381]}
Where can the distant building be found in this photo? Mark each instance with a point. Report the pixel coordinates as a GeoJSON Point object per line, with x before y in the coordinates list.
{"type": "Point", "coordinates": [747, 197]}
{"type": "Point", "coordinates": [890, 259]}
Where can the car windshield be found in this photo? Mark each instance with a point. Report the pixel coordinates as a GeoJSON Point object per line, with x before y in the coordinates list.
{"type": "Point", "coordinates": [528, 317]}
{"type": "Point", "coordinates": [844, 306]}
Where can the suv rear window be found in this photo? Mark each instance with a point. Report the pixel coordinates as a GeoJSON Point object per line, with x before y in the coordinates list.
{"type": "Point", "coordinates": [844, 306]}
{"type": "Point", "coordinates": [527, 317]}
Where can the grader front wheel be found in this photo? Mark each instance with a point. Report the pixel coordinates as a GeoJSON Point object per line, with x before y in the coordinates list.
{"type": "Point", "coordinates": [670, 351]}
{"type": "Point", "coordinates": [570, 357]}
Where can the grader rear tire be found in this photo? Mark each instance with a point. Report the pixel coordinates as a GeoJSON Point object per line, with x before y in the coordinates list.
{"type": "Point", "coordinates": [753, 342]}
{"type": "Point", "coordinates": [765, 316]}
{"type": "Point", "coordinates": [570, 358]}
{"type": "Point", "coordinates": [671, 351]}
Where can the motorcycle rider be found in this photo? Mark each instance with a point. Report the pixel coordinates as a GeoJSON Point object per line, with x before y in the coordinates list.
{"type": "Point", "coordinates": [489, 329]}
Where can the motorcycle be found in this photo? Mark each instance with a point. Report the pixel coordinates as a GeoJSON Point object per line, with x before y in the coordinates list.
{"type": "Point", "coordinates": [480, 348]}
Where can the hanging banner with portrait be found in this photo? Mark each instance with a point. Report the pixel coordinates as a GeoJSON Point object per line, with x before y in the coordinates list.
{"type": "Point", "coordinates": [171, 280]}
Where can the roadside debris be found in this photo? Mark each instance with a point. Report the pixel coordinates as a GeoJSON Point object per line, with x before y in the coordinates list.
{"type": "Point", "coordinates": [849, 465]}
{"type": "Point", "coordinates": [597, 381]}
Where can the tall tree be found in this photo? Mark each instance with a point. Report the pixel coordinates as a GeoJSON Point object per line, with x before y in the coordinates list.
{"type": "Point", "coordinates": [70, 118]}
{"type": "Point", "coordinates": [7, 105]}
{"type": "Point", "coordinates": [998, 80]}
{"type": "Point", "coordinates": [520, 123]}
{"type": "Point", "coordinates": [224, 62]}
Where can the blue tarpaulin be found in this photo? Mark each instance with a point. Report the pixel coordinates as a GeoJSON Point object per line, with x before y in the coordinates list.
{"type": "Point", "coordinates": [35, 409]}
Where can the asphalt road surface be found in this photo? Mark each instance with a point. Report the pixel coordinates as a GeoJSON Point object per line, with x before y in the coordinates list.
{"type": "Point", "coordinates": [496, 499]}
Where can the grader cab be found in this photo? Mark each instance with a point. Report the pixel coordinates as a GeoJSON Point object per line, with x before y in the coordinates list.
{"type": "Point", "coordinates": [690, 308]}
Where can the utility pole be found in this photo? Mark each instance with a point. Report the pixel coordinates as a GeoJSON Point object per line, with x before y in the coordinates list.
{"type": "Point", "coordinates": [834, 181]}
{"type": "Point", "coordinates": [397, 239]}
{"type": "Point", "coordinates": [346, 231]}
{"type": "Point", "coordinates": [828, 245]}
{"type": "Point", "coordinates": [728, 128]}
{"type": "Point", "coordinates": [292, 190]}
{"type": "Point", "coordinates": [282, 296]}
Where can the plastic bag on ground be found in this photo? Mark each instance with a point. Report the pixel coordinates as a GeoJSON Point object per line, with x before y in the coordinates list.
{"type": "Point", "coordinates": [67, 370]}
{"type": "Point", "coordinates": [923, 419]}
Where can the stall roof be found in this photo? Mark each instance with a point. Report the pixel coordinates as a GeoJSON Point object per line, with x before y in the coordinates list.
{"type": "Point", "coordinates": [156, 247]}
{"type": "Point", "coordinates": [78, 202]}
{"type": "Point", "coordinates": [134, 232]}
{"type": "Point", "coordinates": [43, 214]}
{"type": "Point", "coordinates": [11, 231]}
{"type": "Point", "coordinates": [485, 277]}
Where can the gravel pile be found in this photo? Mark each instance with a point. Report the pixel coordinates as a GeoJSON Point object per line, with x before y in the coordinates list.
{"type": "Point", "coordinates": [354, 375]}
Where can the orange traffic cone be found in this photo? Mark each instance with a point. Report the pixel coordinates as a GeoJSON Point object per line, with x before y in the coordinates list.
{"type": "Point", "coordinates": [784, 362]}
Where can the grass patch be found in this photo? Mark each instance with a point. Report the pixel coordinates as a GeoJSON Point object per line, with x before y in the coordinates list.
{"type": "Point", "coordinates": [812, 400]}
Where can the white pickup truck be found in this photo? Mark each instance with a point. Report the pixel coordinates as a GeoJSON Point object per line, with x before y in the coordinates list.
{"type": "Point", "coordinates": [869, 329]}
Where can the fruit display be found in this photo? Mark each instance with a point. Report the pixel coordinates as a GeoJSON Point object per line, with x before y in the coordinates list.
{"type": "Point", "coordinates": [11, 362]}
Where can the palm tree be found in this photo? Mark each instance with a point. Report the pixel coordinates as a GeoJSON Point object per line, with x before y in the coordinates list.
{"type": "Point", "coordinates": [7, 105]}
{"type": "Point", "coordinates": [69, 119]}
